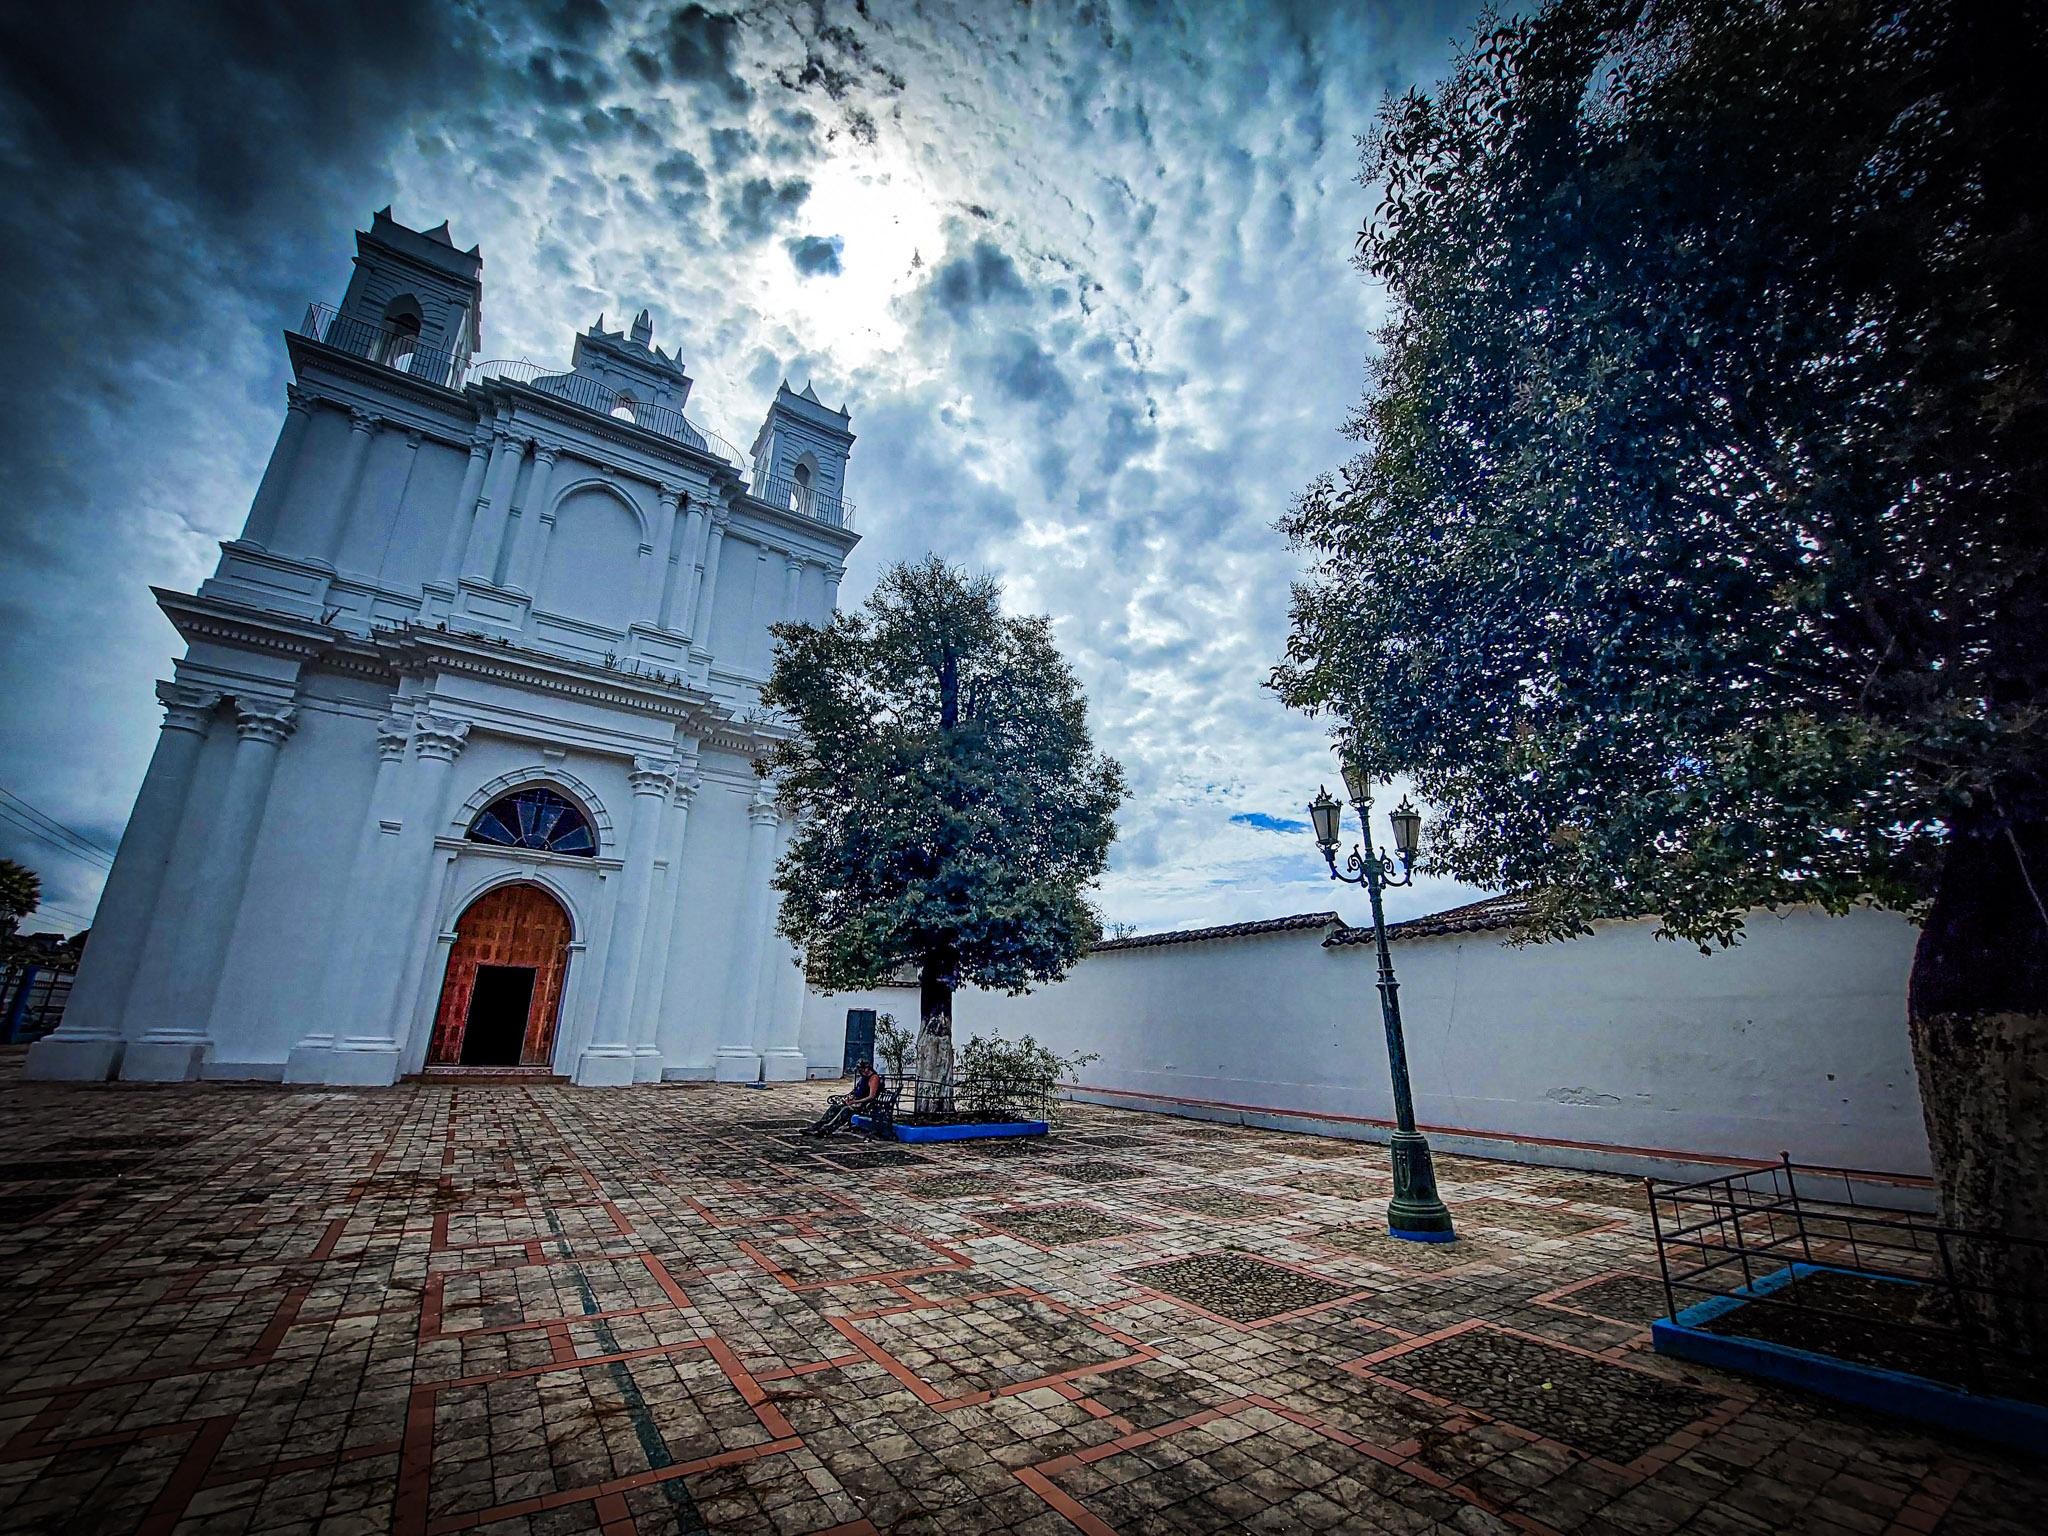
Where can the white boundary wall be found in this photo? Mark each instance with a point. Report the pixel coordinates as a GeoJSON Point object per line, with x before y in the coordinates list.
{"type": "Point", "coordinates": [1618, 1050]}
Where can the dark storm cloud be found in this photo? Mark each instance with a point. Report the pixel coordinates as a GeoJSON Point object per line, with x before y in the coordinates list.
{"type": "Point", "coordinates": [978, 277]}
{"type": "Point", "coordinates": [816, 255]}
{"type": "Point", "coordinates": [1025, 370]}
{"type": "Point", "coordinates": [696, 47]}
{"type": "Point", "coordinates": [756, 207]}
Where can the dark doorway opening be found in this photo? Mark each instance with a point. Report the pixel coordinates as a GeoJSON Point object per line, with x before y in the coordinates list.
{"type": "Point", "coordinates": [498, 1007]}
{"type": "Point", "coordinates": [860, 1039]}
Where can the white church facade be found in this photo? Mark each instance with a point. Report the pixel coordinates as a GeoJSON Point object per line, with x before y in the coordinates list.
{"type": "Point", "coordinates": [456, 773]}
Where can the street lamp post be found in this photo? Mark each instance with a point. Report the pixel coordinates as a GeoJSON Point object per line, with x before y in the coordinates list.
{"type": "Point", "coordinates": [1416, 1212]}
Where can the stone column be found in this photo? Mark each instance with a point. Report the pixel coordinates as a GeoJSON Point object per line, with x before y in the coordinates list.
{"type": "Point", "coordinates": [465, 509]}
{"type": "Point", "coordinates": [607, 1061]}
{"type": "Point", "coordinates": [487, 532]}
{"type": "Point", "coordinates": [325, 544]}
{"type": "Point", "coordinates": [707, 591]}
{"type": "Point", "coordinates": [833, 573]}
{"type": "Point", "coordinates": [654, 560]}
{"type": "Point", "coordinates": [689, 571]}
{"type": "Point", "coordinates": [775, 1036]}
{"type": "Point", "coordinates": [175, 1049]}
{"type": "Point", "coordinates": [397, 947]}
{"type": "Point", "coordinates": [536, 519]}
{"type": "Point", "coordinates": [261, 527]}
{"type": "Point", "coordinates": [316, 1058]}
{"type": "Point", "coordinates": [662, 924]}
{"type": "Point", "coordinates": [87, 1045]}
{"type": "Point", "coordinates": [739, 1059]}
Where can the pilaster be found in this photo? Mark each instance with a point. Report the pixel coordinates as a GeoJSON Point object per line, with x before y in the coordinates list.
{"type": "Point", "coordinates": [176, 1048]}
{"type": "Point", "coordinates": [662, 928]}
{"type": "Point", "coordinates": [739, 1056]}
{"type": "Point", "coordinates": [88, 1044]}
{"type": "Point", "coordinates": [607, 1061]}
{"type": "Point", "coordinates": [261, 527]}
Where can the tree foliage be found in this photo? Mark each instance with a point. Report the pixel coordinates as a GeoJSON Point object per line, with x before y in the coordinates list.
{"type": "Point", "coordinates": [1692, 558]}
{"type": "Point", "coordinates": [952, 808]}
{"type": "Point", "coordinates": [21, 892]}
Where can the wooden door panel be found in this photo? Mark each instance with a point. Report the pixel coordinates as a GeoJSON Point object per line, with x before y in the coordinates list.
{"type": "Point", "coordinates": [513, 925]}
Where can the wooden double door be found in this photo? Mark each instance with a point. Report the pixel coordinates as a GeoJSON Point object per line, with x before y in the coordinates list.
{"type": "Point", "coordinates": [502, 996]}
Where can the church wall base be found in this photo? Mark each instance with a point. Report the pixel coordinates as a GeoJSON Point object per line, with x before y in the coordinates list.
{"type": "Point", "coordinates": [56, 1059]}
{"type": "Point", "coordinates": [602, 1067]}
{"type": "Point", "coordinates": [784, 1066]}
{"type": "Point", "coordinates": [163, 1061]}
{"type": "Point", "coordinates": [737, 1067]}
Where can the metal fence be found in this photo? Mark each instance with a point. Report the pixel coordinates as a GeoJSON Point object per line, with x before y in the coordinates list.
{"type": "Point", "coordinates": [398, 350]}
{"type": "Point", "coordinates": [978, 1098]}
{"type": "Point", "coordinates": [1977, 1310]}
{"type": "Point", "coordinates": [32, 999]}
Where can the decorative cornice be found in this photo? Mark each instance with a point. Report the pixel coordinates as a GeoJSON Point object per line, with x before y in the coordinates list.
{"type": "Point", "coordinates": [187, 708]}
{"type": "Point", "coordinates": [440, 737]}
{"type": "Point", "coordinates": [393, 732]}
{"type": "Point", "coordinates": [653, 775]}
{"type": "Point", "coordinates": [268, 723]}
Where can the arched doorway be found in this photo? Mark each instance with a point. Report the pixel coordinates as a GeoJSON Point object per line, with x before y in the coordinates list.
{"type": "Point", "coordinates": [503, 992]}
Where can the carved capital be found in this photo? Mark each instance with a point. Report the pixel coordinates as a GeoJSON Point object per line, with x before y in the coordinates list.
{"type": "Point", "coordinates": [480, 443]}
{"type": "Point", "coordinates": [268, 723]}
{"type": "Point", "coordinates": [762, 810]}
{"type": "Point", "coordinates": [413, 438]}
{"type": "Point", "coordinates": [720, 521]}
{"type": "Point", "coordinates": [393, 732]}
{"type": "Point", "coordinates": [187, 708]}
{"type": "Point", "coordinates": [653, 775]}
{"type": "Point", "coordinates": [686, 790]}
{"type": "Point", "coordinates": [439, 737]}
{"type": "Point", "coordinates": [671, 495]}
{"type": "Point", "coordinates": [797, 563]}
{"type": "Point", "coordinates": [360, 420]}
{"type": "Point", "coordinates": [546, 453]}
{"type": "Point", "coordinates": [299, 399]}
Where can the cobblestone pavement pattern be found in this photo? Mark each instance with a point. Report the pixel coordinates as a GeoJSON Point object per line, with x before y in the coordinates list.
{"type": "Point", "coordinates": [533, 1310]}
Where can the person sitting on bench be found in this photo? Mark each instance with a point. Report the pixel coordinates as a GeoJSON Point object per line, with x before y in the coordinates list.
{"type": "Point", "coordinates": [867, 1087]}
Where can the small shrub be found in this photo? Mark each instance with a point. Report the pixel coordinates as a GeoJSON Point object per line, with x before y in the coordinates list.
{"type": "Point", "coordinates": [996, 1072]}
{"type": "Point", "coordinates": [893, 1046]}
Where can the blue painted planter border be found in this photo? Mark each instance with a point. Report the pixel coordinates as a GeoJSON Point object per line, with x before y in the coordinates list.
{"type": "Point", "coordinates": [962, 1132]}
{"type": "Point", "coordinates": [2004, 1419]}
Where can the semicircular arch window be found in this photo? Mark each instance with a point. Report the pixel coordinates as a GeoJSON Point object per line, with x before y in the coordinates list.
{"type": "Point", "coordinates": [534, 818]}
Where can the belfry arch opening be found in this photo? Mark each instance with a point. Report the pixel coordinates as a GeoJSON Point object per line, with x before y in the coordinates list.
{"type": "Point", "coordinates": [501, 997]}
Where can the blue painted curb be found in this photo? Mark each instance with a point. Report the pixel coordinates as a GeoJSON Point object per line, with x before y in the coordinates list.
{"type": "Point", "coordinates": [2003, 1419]}
{"type": "Point", "coordinates": [1422, 1237]}
{"type": "Point", "coordinates": [962, 1132]}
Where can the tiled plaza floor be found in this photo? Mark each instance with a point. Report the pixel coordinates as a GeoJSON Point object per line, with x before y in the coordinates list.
{"type": "Point", "coordinates": [537, 1310]}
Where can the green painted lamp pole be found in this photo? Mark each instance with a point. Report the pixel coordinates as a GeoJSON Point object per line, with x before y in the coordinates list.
{"type": "Point", "coordinates": [1416, 1212]}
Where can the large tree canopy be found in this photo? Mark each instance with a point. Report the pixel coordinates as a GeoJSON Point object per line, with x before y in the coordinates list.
{"type": "Point", "coordinates": [1693, 555]}
{"type": "Point", "coordinates": [1693, 558]}
{"type": "Point", "coordinates": [953, 810]}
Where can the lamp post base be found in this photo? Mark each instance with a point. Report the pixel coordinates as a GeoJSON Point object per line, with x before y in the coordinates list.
{"type": "Point", "coordinates": [1416, 1214]}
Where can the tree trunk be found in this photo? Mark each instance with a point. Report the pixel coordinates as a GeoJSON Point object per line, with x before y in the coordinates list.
{"type": "Point", "coordinates": [1978, 1013]}
{"type": "Point", "coordinates": [935, 1035]}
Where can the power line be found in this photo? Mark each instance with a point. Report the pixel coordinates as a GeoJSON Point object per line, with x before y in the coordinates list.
{"type": "Point", "coordinates": [50, 906]}
{"type": "Point", "coordinates": [97, 860]}
{"type": "Point", "coordinates": [55, 825]}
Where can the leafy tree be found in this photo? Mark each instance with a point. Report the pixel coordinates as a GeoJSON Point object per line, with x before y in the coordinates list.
{"type": "Point", "coordinates": [21, 892]}
{"type": "Point", "coordinates": [1693, 555]}
{"type": "Point", "coordinates": [952, 810]}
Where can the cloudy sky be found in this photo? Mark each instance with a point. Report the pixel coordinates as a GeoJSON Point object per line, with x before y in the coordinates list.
{"type": "Point", "coordinates": [1080, 272]}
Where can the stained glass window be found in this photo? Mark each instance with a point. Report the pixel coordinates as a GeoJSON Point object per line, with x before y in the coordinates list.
{"type": "Point", "coordinates": [534, 818]}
